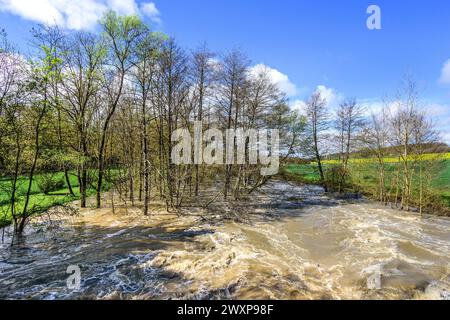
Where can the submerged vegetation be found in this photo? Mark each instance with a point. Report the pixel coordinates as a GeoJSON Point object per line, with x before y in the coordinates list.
{"type": "Point", "coordinates": [91, 112]}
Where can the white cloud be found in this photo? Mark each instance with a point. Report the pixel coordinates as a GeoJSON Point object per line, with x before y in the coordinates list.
{"type": "Point", "coordinates": [80, 15]}
{"type": "Point", "coordinates": [440, 113]}
{"type": "Point", "coordinates": [332, 97]}
{"type": "Point", "coordinates": [329, 94]}
{"type": "Point", "coordinates": [127, 7]}
{"type": "Point", "coordinates": [70, 14]}
{"type": "Point", "coordinates": [43, 11]}
{"type": "Point", "coordinates": [376, 106]}
{"type": "Point", "coordinates": [280, 79]}
{"type": "Point", "coordinates": [438, 110]}
{"type": "Point", "coordinates": [445, 73]}
{"type": "Point", "coordinates": [446, 135]}
{"type": "Point", "coordinates": [149, 9]}
{"type": "Point", "coordinates": [298, 105]}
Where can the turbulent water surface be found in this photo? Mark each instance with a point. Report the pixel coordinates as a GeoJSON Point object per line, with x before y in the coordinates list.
{"type": "Point", "coordinates": [292, 242]}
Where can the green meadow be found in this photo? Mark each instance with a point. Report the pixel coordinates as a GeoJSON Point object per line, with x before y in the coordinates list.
{"type": "Point", "coordinates": [364, 176]}
{"type": "Point", "coordinates": [38, 198]}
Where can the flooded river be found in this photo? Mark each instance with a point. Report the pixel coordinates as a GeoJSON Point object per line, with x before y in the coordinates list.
{"type": "Point", "coordinates": [290, 242]}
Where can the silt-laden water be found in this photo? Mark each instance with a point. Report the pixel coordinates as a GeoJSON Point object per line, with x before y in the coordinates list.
{"type": "Point", "coordinates": [291, 242]}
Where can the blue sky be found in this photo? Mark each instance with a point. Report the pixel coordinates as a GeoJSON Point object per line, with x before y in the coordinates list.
{"type": "Point", "coordinates": [308, 43]}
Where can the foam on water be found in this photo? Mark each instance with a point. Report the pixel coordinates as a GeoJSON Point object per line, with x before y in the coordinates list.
{"type": "Point", "coordinates": [295, 243]}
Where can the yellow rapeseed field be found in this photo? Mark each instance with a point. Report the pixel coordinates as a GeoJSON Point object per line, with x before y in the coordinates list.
{"type": "Point", "coordinates": [425, 157]}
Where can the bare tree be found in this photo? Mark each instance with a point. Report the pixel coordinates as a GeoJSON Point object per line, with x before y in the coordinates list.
{"type": "Point", "coordinates": [403, 122]}
{"type": "Point", "coordinates": [376, 137]}
{"type": "Point", "coordinates": [144, 76]}
{"type": "Point", "coordinates": [203, 78]}
{"type": "Point", "coordinates": [84, 55]}
{"type": "Point", "coordinates": [317, 125]}
{"type": "Point", "coordinates": [426, 140]}
{"type": "Point", "coordinates": [171, 99]}
{"type": "Point", "coordinates": [233, 83]}
{"type": "Point", "coordinates": [349, 123]}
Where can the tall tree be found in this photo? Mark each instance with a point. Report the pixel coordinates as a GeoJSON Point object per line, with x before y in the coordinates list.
{"type": "Point", "coordinates": [144, 73]}
{"type": "Point", "coordinates": [203, 78]}
{"type": "Point", "coordinates": [376, 137]}
{"type": "Point", "coordinates": [317, 125]}
{"type": "Point", "coordinates": [53, 38]}
{"type": "Point", "coordinates": [83, 55]}
{"type": "Point", "coordinates": [233, 82]}
{"type": "Point", "coordinates": [42, 75]}
{"type": "Point", "coordinates": [172, 97]}
{"type": "Point", "coordinates": [121, 34]}
{"type": "Point", "coordinates": [350, 121]}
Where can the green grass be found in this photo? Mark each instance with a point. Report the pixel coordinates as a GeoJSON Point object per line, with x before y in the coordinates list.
{"type": "Point", "coordinates": [37, 198]}
{"type": "Point", "coordinates": [307, 173]}
{"type": "Point", "coordinates": [364, 175]}
{"type": "Point", "coordinates": [443, 179]}
{"type": "Point", "coordinates": [442, 182]}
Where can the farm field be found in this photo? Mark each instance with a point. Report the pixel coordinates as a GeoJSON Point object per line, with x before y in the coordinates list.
{"type": "Point", "coordinates": [425, 157]}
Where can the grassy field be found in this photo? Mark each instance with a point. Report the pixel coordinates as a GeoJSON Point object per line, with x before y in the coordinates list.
{"type": "Point", "coordinates": [442, 182]}
{"type": "Point", "coordinates": [38, 198]}
{"type": "Point", "coordinates": [364, 175]}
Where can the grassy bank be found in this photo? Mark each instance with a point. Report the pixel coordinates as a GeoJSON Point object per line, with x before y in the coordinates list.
{"type": "Point", "coordinates": [38, 198]}
{"type": "Point", "coordinates": [364, 177]}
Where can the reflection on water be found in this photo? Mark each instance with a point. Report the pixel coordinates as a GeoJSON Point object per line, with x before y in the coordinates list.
{"type": "Point", "coordinates": [294, 243]}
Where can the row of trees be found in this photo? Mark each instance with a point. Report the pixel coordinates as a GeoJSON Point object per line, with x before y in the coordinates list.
{"type": "Point", "coordinates": [103, 107]}
{"type": "Point", "coordinates": [400, 130]}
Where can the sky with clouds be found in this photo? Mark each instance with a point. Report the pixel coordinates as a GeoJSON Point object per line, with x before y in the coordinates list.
{"type": "Point", "coordinates": [308, 45]}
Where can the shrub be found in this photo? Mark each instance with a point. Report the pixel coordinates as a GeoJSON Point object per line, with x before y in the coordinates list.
{"type": "Point", "coordinates": [49, 182]}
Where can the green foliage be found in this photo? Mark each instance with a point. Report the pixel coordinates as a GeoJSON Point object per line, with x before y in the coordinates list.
{"type": "Point", "coordinates": [46, 68]}
{"type": "Point", "coordinates": [334, 176]}
{"type": "Point", "coordinates": [38, 200]}
{"type": "Point", "coordinates": [121, 32]}
{"type": "Point", "coordinates": [50, 182]}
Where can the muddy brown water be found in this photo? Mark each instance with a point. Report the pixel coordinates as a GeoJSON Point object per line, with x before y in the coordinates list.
{"type": "Point", "coordinates": [294, 243]}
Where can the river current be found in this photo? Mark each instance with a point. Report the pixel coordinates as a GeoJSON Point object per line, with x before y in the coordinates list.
{"type": "Point", "coordinates": [287, 242]}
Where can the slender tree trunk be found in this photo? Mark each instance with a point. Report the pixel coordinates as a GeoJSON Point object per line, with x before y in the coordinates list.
{"type": "Point", "coordinates": [14, 184]}
{"type": "Point", "coordinates": [60, 138]}
{"type": "Point", "coordinates": [146, 159]}
{"type": "Point", "coordinates": [319, 159]}
{"type": "Point", "coordinates": [84, 175]}
{"type": "Point", "coordinates": [37, 129]}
